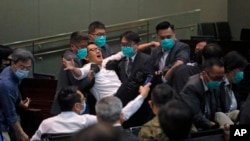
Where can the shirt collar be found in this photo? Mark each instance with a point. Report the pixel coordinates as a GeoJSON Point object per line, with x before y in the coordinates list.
{"type": "Point", "coordinates": [117, 124]}
{"type": "Point", "coordinates": [204, 85]}
{"type": "Point", "coordinates": [133, 57]}
{"type": "Point", "coordinates": [226, 81]}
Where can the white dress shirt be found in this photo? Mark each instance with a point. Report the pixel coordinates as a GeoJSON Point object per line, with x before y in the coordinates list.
{"type": "Point", "coordinates": [229, 91]}
{"type": "Point", "coordinates": [106, 81]}
{"type": "Point", "coordinates": [65, 122]}
{"type": "Point", "coordinates": [69, 122]}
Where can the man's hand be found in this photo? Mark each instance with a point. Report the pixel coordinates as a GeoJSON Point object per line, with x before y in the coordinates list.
{"type": "Point", "coordinates": [212, 124]}
{"type": "Point", "coordinates": [26, 102]}
{"type": "Point", "coordinates": [159, 72]}
{"type": "Point", "coordinates": [68, 64]}
{"type": "Point", "coordinates": [155, 44]}
{"type": "Point", "coordinates": [94, 68]}
{"type": "Point", "coordinates": [144, 90]}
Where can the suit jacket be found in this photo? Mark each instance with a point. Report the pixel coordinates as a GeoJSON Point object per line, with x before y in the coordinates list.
{"type": "Point", "coordinates": [66, 78]}
{"type": "Point", "coordinates": [125, 135]}
{"type": "Point", "coordinates": [244, 112]}
{"type": "Point", "coordinates": [106, 51]}
{"type": "Point", "coordinates": [195, 96]}
{"type": "Point", "coordinates": [225, 99]}
{"type": "Point", "coordinates": [180, 51]}
{"type": "Point", "coordinates": [141, 62]}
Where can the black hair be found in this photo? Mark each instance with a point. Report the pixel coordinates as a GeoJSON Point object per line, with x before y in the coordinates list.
{"type": "Point", "coordinates": [208, 65]}
{"type": "Point", "coordinates": [68, 97]}
{"type": "Point", "coordinates": [5, 51]}
{"type": "Point", "coordinates": [212, 50]}
{"type": "Point", "coordinates": [130, 36]}
{"type": "Point", "coordinates": [233, 60]}
{"type": "Point", "coordinates": [176, 120]}
{"type": "Point", "coordinates": [95, 25]}
{"type": "Point", "coordinates": [78, 36]}
{"type": "Point", "coordinates": [164, 25]}
{"type": "Point", "coordinates": [161, 94]}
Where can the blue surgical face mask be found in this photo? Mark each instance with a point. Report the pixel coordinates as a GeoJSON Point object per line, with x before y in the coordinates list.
{"type": "Point", "coordinates": [84, 107]}
{"type": "Point", "coordinates": [82, 53]}
{"type": "Point", "coordinates": [100, 41]}
{"type": "Point", "coordinates": [167, 44]}
{"type": "Point", "coordinates": [21, 74]}
{"type": "Point", "coordinates": [213, 84]}
{"type": "Point", "coordinates": [128, 51]}
{"type": "Point", "coordinates": [238, 77]}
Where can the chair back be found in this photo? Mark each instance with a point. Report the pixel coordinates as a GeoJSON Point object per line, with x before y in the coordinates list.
{"type": "Point", "coordinates": [56, 136]}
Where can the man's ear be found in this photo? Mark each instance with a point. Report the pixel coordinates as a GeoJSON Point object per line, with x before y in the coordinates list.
{"type": "Point", "coordinates": [77, 108]}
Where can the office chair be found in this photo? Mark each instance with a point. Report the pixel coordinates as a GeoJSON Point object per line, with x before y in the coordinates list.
{"type": "Point", "coordinates": [207, 29]}
{"type": "Point", "coordinates": [245, 34]}
{"type": "Point", "coordinates": [223, 31]}
{"type": "Point", "coordinates": [56, 136]}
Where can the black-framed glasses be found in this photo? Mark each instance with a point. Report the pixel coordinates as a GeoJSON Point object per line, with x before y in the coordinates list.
{"type": "Point", "coordinates": [129, 44]}
{"type": "Point", "coordinates": [94, 49]}
{"type": "Point", "coordinates": [215, 78]}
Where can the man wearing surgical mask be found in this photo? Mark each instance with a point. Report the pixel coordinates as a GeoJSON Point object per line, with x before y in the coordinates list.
{"type": "Point", "coordinates": [133, 64]}
{"type": "Point", "coordinates": [97, 34]}
{"type": "Point", "coordinates": [229, 93]}
{"type": "Point", "coordinates": [199, 94]}
{"type": "Point", "coordinates": [77, 51]}
{"type": "Point", "coordinates": [10, 78]}
{"type": "Point", "coordinates": [171, 53]}
{"type": "Point", "coordinates": [73, 103]}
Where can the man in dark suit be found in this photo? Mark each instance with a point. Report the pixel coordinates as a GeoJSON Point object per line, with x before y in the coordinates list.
{"type": "Point", "coordinates": [197, 93]}
{"type": "Point", "coordinates": [171, 53]}
{"type": "Point", "coordinates": [78, 41]}
{"type": "Point", "coordinates": [135, 64]}
{"type": "Point", "coordinates": [97, 34]}
{"type": "Point", "coordinates": [109, 110]}
{"type": "Point", "coordinates": [229, 93]}
{"type": "Point", "coordinates": [134, 60]}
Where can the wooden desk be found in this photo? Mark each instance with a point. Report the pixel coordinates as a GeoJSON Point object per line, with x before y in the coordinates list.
{"type": "Point", "coordinates": [41, 92]}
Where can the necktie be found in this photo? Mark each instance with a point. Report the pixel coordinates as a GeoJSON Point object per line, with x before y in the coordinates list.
{"type": "Point", "coordinates": [129, 66]}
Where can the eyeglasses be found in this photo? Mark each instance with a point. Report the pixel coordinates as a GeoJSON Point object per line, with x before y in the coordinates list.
{"type": "Point", "coordinates": [94, 49]}
{"type": "Point", "coordinates": [79, 46]}
{"type": "Point", "coordinates": [129, 44]}
{"type": "Point", "coordinates": [22, 67]}
{"type": "Point", "coordinates": [99, 34]}
{"type": "Point", "coordinates": [215, 78]}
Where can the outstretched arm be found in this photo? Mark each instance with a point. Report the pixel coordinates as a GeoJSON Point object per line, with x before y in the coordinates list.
{"type": "Point", "coordinates": [79, 73]}
{"type": "Point", "coordinates": [135, 104]}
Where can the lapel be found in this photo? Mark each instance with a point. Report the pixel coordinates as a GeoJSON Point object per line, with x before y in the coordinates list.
{"type": "Point", "coordinates": [158, 56]}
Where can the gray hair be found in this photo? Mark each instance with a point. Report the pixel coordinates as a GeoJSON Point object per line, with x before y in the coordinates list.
{"type": "Point", "coordinates": [109, 109]}
{"type": "Point", "coordinates": [22, 55]}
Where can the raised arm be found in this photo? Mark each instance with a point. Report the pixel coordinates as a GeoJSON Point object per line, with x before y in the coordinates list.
{"type": "Point", "coordinates": [117, 56]}
{"type": "Point", "coordinates": [79, 73]}
{"type": "Point", "coordinates": [135, 104]}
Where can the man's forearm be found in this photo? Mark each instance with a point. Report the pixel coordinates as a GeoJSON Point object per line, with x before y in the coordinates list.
{"type": "Point", "coordinates": [170, 71]}
{"type": "Point", "coordinates": [18, 128]}
{"type": "Point", "coordinates": [76, 72]}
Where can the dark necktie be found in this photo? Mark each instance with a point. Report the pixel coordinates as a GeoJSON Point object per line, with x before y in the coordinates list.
{"type": "Point", "coordinates": [129, 66]}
